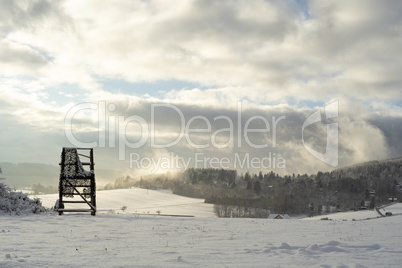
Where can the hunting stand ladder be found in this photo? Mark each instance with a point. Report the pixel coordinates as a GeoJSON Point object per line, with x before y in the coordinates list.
{"type": "Point", "coordinates": [75, 180]}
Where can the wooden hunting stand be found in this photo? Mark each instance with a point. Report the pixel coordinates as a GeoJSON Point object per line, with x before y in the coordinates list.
{"type": "Point", "coordinates": [75, 180]}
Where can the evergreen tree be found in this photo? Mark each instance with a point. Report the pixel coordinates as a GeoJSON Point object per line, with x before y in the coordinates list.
{"type": "Point", "coordinates": [366, 194]}
{"type": "Point", "coordinates": [257, 187]}
{"type": "Point", "coordinates": [249, 185]}
{"type": "Point", "coordinates": [247, 177]}
{"type": "Point", "coordinates": [372, 203]}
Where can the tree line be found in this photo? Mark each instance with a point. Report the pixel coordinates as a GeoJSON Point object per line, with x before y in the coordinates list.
{"type": "Point", "coordinates": [361, 186]}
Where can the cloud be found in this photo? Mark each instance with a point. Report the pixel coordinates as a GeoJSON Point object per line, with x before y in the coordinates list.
{"type": "Point", "coordinates": [359, 139]}
{"type": "Point", "coordinates": [391, 127]}
{"type": "Point", "coordinates": [276, 57]}
{"type": "Point", "coordinates": [263, 47]}
{"type": "Point", "coordinates": [363, 136]}
{"type": "Point", "coordinates": [15, 58]}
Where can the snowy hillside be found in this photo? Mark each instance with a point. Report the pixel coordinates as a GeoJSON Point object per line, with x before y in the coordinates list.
{"type": "Point", "coordinates": [132, 239]}
{"type": "Point", "coordinates": [349, 216]}
{"type": "Point", "coordinates": [135, 240]}
{"type": "Point", "coordinates": [141, 201]}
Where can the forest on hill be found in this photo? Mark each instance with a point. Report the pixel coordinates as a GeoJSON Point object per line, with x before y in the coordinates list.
{"type": "Point", "coordinates": [361, 186]}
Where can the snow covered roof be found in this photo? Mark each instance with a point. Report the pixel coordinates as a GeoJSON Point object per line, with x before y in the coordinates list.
{"type": "Point", "coordinates": [73, 165]}
{"type": "Point", "coordinates": [278, 216]}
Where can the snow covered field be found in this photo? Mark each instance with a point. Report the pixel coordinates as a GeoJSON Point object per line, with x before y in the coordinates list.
{"type": "Point", "coordinates": [140, 201]}
{"type": "Point", "coordinates": [142, 240]}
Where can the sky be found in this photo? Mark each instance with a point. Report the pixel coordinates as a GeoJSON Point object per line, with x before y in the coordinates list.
{"type": "Point", "coordinates": [289, 86]}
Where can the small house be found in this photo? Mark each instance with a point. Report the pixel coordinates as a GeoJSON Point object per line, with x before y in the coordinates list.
{"type": "Point", "coordinates": [278, 216]}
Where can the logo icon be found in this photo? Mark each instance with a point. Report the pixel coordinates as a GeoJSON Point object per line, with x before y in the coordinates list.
{"type": "Point", "coordinates": [330, 156]}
